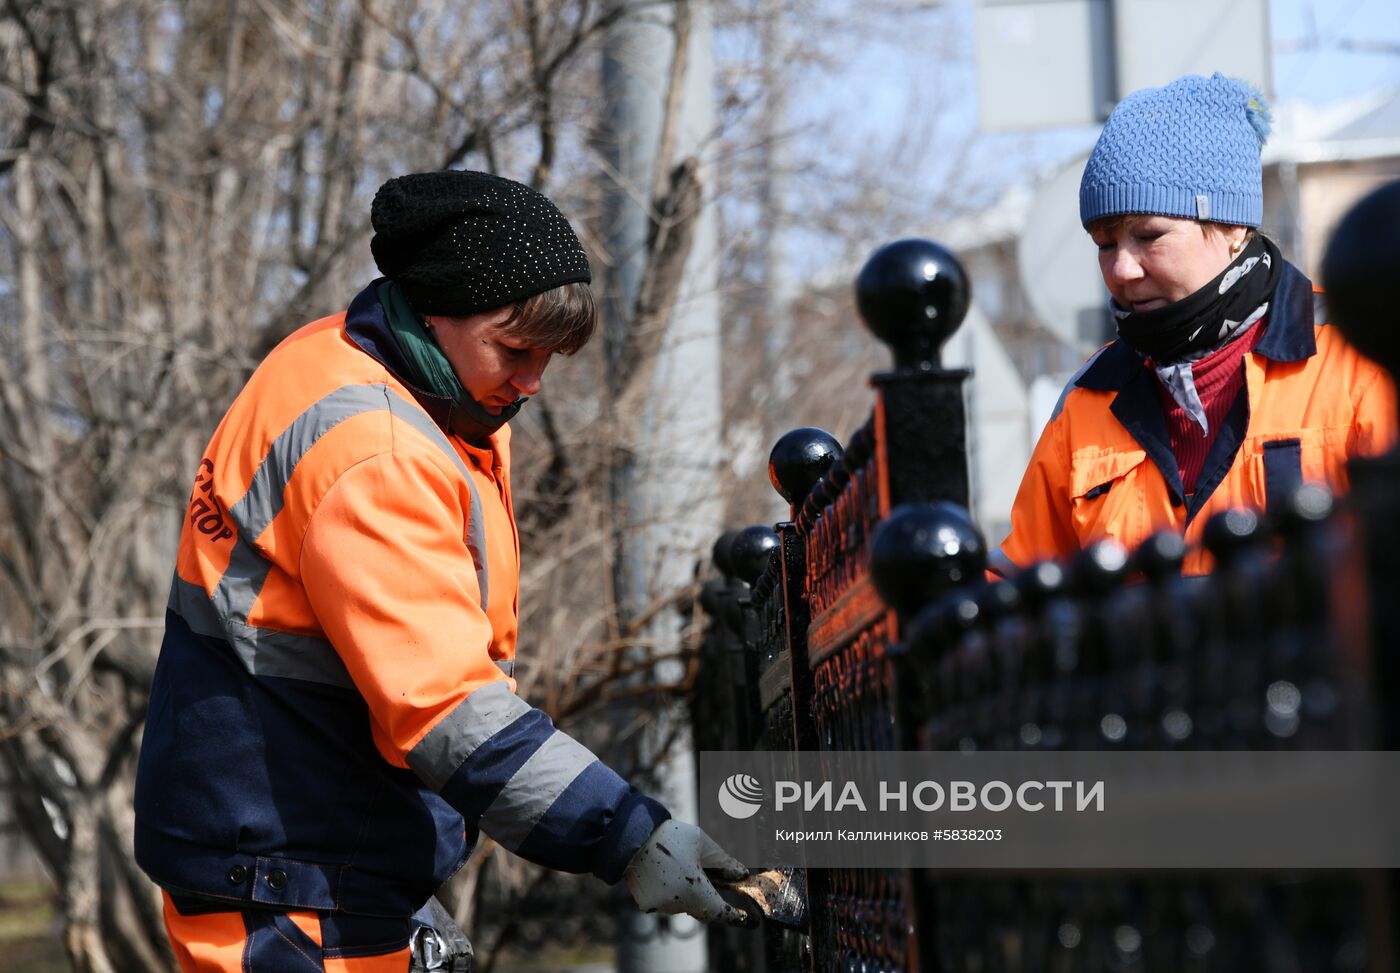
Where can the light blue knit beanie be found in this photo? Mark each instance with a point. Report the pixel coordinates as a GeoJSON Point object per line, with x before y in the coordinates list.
{"type": "Point", "coordinates": [1189, 149]}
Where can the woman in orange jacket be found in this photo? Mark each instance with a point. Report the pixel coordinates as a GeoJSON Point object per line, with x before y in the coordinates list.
{"type": "Point", "coordinates": [333, 717]}
{"type": "Point", "coordinates": [1225, 386]}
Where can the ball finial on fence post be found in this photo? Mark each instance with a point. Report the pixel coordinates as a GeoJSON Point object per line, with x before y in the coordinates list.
{"type": "Point", "coordinates": [912, 294]}
{"type": "Point", "coordinates": [922, 550]}
{"type": "Point", "coordinates": [752, 550]}
{"type": "Point", "coordinates": [799, 459]}
{"type": "Point", "coordinates": [723, 553]}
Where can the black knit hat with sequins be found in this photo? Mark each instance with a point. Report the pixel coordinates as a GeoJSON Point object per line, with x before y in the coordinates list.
{"type": "Point", "coordinates": [461, 242]}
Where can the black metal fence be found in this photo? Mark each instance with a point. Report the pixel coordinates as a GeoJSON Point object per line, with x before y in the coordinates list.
{"type": "Point", "coordinates": [864, 623]}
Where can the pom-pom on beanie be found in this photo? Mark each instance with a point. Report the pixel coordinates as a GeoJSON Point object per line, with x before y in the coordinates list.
{"type": "Point", "coordinates": [460, 242]}
{"type": "Point", "coordinates": [1188, 149]}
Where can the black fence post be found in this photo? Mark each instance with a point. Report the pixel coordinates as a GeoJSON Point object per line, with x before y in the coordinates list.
{"type": "Point", "coordinates": [754, 562]}
{"type": "Point", "coordinates": [716, 703]}
{"type": "Point", "coordinates": [913, 294]}
{"type": "Point", "coordinates": [918, 554]}
{"type": "Point", "coordinates": [777, 613]}
{"type": "Point", "coordinates": [799, 460]}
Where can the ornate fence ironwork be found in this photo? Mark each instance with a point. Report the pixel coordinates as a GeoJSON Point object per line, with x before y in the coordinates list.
{"type": "Point", "coordinates": [863, 622]}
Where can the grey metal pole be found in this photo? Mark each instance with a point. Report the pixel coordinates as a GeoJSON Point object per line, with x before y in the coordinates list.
{"type": "Point", "coordinates": [665, 487]}
{"type": "Point", "coordinates": [778, 289]}
{"type": "Point", "coordinates": [636, 69]}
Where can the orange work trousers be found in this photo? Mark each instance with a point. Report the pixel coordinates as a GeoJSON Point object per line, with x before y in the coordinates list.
{"type": "Point", "coordinates": [258, 941]}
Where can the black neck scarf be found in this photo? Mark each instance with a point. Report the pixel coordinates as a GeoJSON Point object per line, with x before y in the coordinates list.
{"type": "Point", "coordinates": [1199, 322]}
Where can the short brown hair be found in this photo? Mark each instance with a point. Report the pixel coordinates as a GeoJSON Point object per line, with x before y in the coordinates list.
{"type": "Point", "coordinates": [561, 319]}
{"type": "Point", "coordinates": [1108, 224]}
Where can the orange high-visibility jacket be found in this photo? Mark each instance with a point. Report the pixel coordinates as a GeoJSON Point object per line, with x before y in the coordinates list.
{"type": "Point", "coordinates": [333, 714]}
{"type": "Point", "coordinates": [1104, 465]}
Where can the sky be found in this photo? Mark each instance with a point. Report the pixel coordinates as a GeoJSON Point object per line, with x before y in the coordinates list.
{"type": "Point", "coordinates": [1315, 55]}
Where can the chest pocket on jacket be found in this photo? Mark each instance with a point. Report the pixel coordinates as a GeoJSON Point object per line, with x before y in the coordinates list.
{"type": "Point", "coordinates": [1287, 460]}
{"type": "Point", "coordinates": [1105, 500]}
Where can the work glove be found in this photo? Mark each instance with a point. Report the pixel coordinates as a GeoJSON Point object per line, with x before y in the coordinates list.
{"type": "Point", "coordinates": [667, 874]}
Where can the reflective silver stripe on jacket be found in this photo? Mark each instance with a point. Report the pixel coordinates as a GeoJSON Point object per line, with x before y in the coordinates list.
{"type": "Point", "coordinates": [490, 709]}
{"type": "Point", "coordinates": [263, 651]}
{"type": "Point", "coordinates": [534, 788]}
{"type": "Point", "coordinates": [225, 612]}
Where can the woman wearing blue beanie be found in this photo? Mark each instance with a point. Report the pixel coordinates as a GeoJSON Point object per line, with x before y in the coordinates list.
{"type": "Point", "coordinates": [1225, 386]}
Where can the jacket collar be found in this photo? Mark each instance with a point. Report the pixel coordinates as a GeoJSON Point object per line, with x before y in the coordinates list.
{"type": "Point", "coordinates": [368, 327]}
{"type": "Point", "coordinates": [1288, 336]}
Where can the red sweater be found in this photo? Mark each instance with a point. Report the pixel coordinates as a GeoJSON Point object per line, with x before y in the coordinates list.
{"type": "Point", "coordinates": [1218, 377]}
